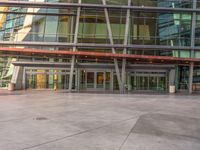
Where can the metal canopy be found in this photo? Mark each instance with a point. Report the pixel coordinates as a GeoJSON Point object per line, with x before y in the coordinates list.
{"type": "Point", "coordinates": [130, 57]}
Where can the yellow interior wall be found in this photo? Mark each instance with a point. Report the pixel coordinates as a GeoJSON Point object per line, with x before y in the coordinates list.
{"type": "Point", "coordinates": [40, 80]}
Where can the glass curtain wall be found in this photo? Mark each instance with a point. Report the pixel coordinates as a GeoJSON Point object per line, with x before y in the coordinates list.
{"type": "Point", "coordinates": [6, 70]}
{"type": "Point", "coordinates": [172, 29]}
{"type": "Point", "coordinates": [93, 27]}
{"type": "Point", "coordinates": [146, 28]}
{"type": "Point", "coordinates": [183, 72]}
{"type": "Point", "coordinates": [43, 28]}
{"type": "Point", "coordinates": [164, 3]}
{"type": "Point", "coordinates": [197, 34]}
{"type": "Point", "coordinates": [152, 3]}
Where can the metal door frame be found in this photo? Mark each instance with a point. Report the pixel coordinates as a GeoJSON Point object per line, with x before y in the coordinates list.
{"type": "Point", "coordinates": [25, 73]}
{"type": "Point", "coordinates": [149, 73]}
{"type": "Point", "coordinates": [95, 71]}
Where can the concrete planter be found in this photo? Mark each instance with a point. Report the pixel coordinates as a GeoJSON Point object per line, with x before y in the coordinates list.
{"type": "Point", "coordinates": [172, 89]}
{"type": "Point", "coordinates": [11, 87]}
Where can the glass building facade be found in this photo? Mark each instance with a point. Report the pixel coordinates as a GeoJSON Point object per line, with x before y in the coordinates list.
{"type": "Point", "coordinates": [100, 45]}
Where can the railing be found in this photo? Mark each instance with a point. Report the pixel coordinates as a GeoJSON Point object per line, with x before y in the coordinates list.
{"type": "Point", "coordinates": [96, 38]}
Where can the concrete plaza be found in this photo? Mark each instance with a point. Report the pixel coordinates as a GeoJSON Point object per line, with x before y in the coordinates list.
{"type": "Point", "coordinates": [48, 120]}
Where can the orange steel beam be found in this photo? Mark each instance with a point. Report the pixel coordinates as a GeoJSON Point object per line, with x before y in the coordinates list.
{"type": "Point", "coordinates": [98, 54]}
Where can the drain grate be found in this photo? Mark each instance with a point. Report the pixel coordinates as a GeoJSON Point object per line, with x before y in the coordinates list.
{"type": "Point", "coordinates": [41, 118]}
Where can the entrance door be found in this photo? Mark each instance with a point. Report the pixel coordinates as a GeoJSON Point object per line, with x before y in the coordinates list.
{"type": "Point", "coordinates": [149, 81]}
{"type": "Point", "coordinates": [100, 80]}
{"type": "Point", "coordinates": [41, 81]}
{"type": "Point", "coordinates": [95, 80]}
{"type": "Point", "coordinates": [141, 82]}
{"type": "Point", "coordinates": [90, 80]}
{"type": "Point", "coordinates": [153, 83]}
{"type": "Point", "coordinates": [161, 83]}
{"type": "Point", "coordinates": [48, 79]}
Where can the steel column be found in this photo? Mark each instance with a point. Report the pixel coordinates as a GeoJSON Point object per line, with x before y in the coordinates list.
{"type": "Point", "coordinates": [129, 81]}
{"type": "Point", "coordinates": [193, 29]}
{"type": "Point", "coordinates": [78, 79]}
{"type": "Point", "coordinates": [111, 81]}
{"type": "Point", "coordinates": [24, 79]}
{"type": "Point", "coordinates": [95, 80]}
{"type": "Point", "coordinates": [74, 47]}
{"type": "Point", "coordinates": [125, 43]}
{"type": "Point", "coordinates": [172, 76]}
{"type": "Point", "coordinates": [113, 49]}
{"type": "Point", "coordinates": [104, 82]}
{"type": "Point", "coordinates": [191, 77]}
{"type": "Point", "coordinates": [192, 47]}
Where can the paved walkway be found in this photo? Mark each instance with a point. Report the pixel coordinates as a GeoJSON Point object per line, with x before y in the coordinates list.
{"type": "Point", "coordinates": [48, 120]}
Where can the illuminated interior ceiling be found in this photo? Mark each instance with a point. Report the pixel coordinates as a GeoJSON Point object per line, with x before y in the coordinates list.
{"type": "Point", "coordinates": [2, 16]}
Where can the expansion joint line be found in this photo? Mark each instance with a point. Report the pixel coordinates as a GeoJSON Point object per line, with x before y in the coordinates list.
{"type": "Point", "coordinates": [80, 133]}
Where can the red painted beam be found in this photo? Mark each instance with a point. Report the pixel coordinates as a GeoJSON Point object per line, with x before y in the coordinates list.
{"type": "Point", "coordinates": [98, 54]}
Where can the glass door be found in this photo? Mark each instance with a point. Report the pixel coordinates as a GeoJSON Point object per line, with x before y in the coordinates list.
{"type": "Point", "coordinates": [161, 83]}
{"type": "Point", "coordinates": [149, 81]}
{"type": "Point", "coordinates": [30, 81]}
{"type": "Point", "coordinates": [90, 80]}
{"type": "Point", "coordinates": [48, 79]}
{"type": "Point", "coordinates": [152, 83]}
{"type": "Point", "coordinates": [100, 80]}
{"type": "Point", "coordinates": [96, 80]}
{"type": "Point", "coordinates": [108, 81]}
{"type": "Point", "coordinates": [40, 79]}
{"type": "Point", "coordinates": [142, 83]}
